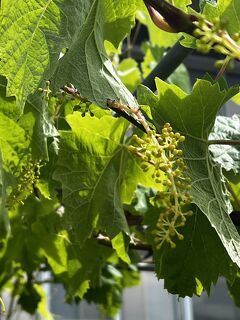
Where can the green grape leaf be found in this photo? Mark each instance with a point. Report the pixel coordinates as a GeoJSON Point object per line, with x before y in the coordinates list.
{"type": "Point", "coordinates": [35, 238]}
{"type": "Point", "coordinates": [226, 128]}
{"type": "Point", "coordinates": [228, 11]}
{"type": "Point", "coordinates": [86, 60]}
{"type": "Point", "coordinates": [34, 34]}
{"type": "Point", "coordinates": [196, 262]}
{"type": "Point", "coordinates": [85, 265]}
{"type": "Point", "coordinates": [89, 163]}
{"type": "Point", "coordinates": [193, 115]}
{"type": "Point", "coordinates": [22, 249]}
{"type": "Point", "coordinates": [35, 122]}
{"type": "Point", "coordinates": [233, 288]}
{"type": "Point", "coordinates": [118, 18]}
{"type": "Point", "coordinates": [52, 244]}
{"type": "Point", "coordinates": [109, 292]}
{"type": "Point", "coordinates": [98, 174]}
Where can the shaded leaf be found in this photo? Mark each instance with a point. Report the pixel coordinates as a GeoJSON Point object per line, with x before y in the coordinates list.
{"type": "Point", "coordinates": [85, 263]}
{"type": "Point", "coordinates": [234, 289]}
{"type": "Point", "coordinates": [29, 298]}
{"type": "Point", "coordinates": [113, 281]}
{"type": "Point", "coordinates": [196, 262]}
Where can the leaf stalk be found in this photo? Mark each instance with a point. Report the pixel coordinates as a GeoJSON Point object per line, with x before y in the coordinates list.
{"type": "Point", "coordinates": [224, 142]}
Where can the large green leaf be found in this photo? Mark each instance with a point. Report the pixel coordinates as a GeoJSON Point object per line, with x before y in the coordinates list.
{"type": "Point", "coordinates": [88, 168]}
{"type": "Point", "coordinates": [33, 238]}
{"type": "Point", "coordinates": [196, 262]}
{"type": "Point", "coordinates": [34, 33]}
{"type": "Point", "coordinates": [113, 281]}
{"type": "Point", "coordinates": [193, 115]}
{"type": "Point", "coordinates": [98, 174]}
{"type": "Point", "coordinates": [227, 156]}
{"type": "Point", "coordinates": [84, 267]}
{"type": "Point", "coordinates": [234, 290]}
{"type": "Point", "coordinates": [86, 61]}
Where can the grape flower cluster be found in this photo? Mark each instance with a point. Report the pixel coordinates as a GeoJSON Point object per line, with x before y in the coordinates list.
{"type": "Point", "coordinates": [213, 36]}
{"type": "Point", "coordinates": [28, 176]}
{"type": "Point", "coordinates": [160, 153]}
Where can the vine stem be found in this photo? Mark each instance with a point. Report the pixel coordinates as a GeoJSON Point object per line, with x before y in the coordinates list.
{"type": "Point", "coordinates": [224, 142]}
{"type": "Point", "coordinates": [223, 68]}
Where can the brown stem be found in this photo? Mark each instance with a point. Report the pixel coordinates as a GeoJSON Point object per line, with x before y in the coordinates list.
{"type": "Point", "coordinates": [224, 142]}
{"type": "Point", "coordinates": [43, 281]}
{"type": "Point", "coordinates": [133, 220]}
{"type": "Point", "coordinates": [223, 69]}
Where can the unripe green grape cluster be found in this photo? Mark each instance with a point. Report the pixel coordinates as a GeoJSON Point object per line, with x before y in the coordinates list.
{"type": "Point", "coordinates": [26, 180]}
{"type": "Point", "coordinates": [161, 153]}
